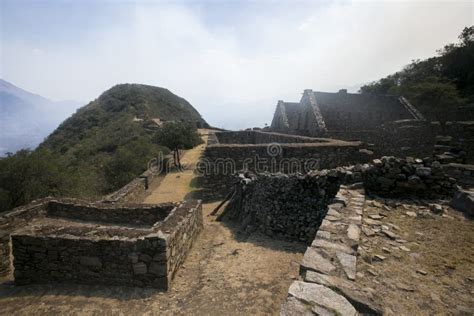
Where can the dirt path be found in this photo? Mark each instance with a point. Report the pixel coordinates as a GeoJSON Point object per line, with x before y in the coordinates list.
{"type": "Point", "coordinates": [176, 185]}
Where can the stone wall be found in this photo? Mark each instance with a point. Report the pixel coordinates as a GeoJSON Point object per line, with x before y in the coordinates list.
{"type": "Point", "coordinates": [129, 214]}
{"type": "Point", "coordinates": [131, 190]}
{"type": "Point", "coordinates": [464, 174]}
{"type": "Point", "coordinates": [257, 137]}
{"type": "Point", "coordinates": [59, 248]}
{"type": "Point", "coordinates": [180, 232]}
{"type": "Point", "coordinates": [222, 161]}
{"type": "Point", "coordinates": [285, 206]}
{"type": "Point", "coordinates": [55, 259]}
{"type": "Point", "coordinates": [391, 176]}
{"type": "Point", "coordinates": [4, 253]}
{"type": "Point", "coordinates": [416, 138]}
{"type": "Point", "coordinates": [12, 220]}
{"type": "Point", "coordinates": [347, 111]}
{"type": "Point", "coordinates": [101, 255]}
{"type": "Point", "coordinates": [292, 206]}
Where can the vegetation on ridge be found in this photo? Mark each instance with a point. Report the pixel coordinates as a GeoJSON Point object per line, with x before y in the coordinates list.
{"type": "Point", "coordinates": [176, 136]}
{"type": "Point", "coordinates": [439, 85]}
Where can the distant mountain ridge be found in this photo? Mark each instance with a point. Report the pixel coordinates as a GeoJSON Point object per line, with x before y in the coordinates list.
{"type": "Point", "coordinates": [27, 118]}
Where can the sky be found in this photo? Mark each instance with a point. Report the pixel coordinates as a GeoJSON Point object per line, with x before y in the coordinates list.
{"type": "Point", "coordinates": [232, 60]}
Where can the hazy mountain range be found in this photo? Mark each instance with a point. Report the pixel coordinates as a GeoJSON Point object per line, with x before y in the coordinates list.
{"type": "Point", "coordinates": [27, 118]}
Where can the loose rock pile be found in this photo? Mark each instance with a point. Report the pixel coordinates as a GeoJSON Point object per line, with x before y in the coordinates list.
{"type": "Point", "coordinates": [391, 176]}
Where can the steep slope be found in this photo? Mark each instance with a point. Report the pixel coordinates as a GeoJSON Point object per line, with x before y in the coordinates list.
{"type": "Point", "coordinates": [100, 148]}
{"type": "Point", "coordinates": [108, 142]}
{"type": "Point", "coordinates": [129, 104]}
{"type": "Point", "coordinates": [27, 118]}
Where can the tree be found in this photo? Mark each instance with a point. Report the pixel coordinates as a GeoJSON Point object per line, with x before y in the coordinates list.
{"type": "Point", "coordinates": [28, 175]}
{"type": "Point", "coordinates": [176, 136]}
{"type": "Point", "coordinates": [467, 36]}
{"type": "Point", "coordinates": [437, 85]}
{"type": "Point", "coordinates": [435, 96]}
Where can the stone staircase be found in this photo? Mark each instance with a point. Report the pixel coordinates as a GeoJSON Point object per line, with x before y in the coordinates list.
{"type": "Point", "coordinates": [328, 269]}
{"type": "Point", "coordinates": [413, 111]}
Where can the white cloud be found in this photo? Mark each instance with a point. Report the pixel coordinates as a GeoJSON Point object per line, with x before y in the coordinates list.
{"type": "Point", "coordinates": [236, 70]}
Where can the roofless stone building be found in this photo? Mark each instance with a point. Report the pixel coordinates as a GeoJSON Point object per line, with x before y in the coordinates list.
{"type": "Point", "coordinates": [325, 113]}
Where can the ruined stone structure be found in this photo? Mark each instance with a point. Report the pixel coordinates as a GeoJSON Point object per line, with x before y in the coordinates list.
{"type": "Point", "coordinates": [231, 152]}
{"type": "Point", "coordinates": [293, 206]}
{"type": "Point", "coordinates": [388, 125]}
{"type": "Point", "coordinates": [95, 243]}
{"type": "Point", "coordinates": [285, 206]}
{"type": "Point", "coordinates": [324, 113]}
{"type": "Point", "coordinates": [307, 208]}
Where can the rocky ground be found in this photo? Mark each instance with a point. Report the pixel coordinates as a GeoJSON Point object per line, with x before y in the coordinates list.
{"type": "Point", "coordinates": [417, 257]}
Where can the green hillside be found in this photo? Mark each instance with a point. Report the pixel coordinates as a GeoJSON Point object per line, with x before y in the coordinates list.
{"type": "Point", "coordinates": [442, 87]}
{"type": "Point", "coordinates": [104, 122]}
{"type": "Point", "coordinates": [100, 148]}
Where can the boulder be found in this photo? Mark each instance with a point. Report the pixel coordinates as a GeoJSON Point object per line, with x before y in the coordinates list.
{"type": "Point", "coordinates": [464, 201]}
{"type": "Point", "coordinates": [322, 298]}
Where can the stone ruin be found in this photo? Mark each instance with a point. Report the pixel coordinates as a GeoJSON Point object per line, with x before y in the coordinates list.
{"type": "Point", "coordinates": [387, 125]}
{"type": "Point", "coordinates": [74, 241]}
{"type": "Point", "coordinates": [320, 204]}
{"type": "Point", "coordinates": [324, 113]}
{"type": "Point", "coordinates": [324, 209]}
{"type": "Point", "coordinates": [293, 206]}
{"type": "Point", "coordinates": [256, 151]}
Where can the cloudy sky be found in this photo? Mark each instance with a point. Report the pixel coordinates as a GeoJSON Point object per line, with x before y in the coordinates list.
{"type": "Point", "coordinates": [232, 60]}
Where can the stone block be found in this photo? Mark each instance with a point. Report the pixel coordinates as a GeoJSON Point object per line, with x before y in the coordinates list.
{"type": "Point", "coordinates": [322, 298]}
{"type": "Point", "coordinates": [91, 262]}
{"type": "Point", "coordinates": [139, 268]}
{"type": "Point", "coordinates": [313, 260]}
{"type": "Point", "coordinates": [159, 269]}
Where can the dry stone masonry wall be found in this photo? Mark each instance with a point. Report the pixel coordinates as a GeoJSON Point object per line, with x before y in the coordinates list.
{"type": "Point", "coordinates": [257, 137]}
{"type": "Point", "coordinates": [391, 176]}
{"type": "Point", "coordinates": [135, 215]}
{"type": "Point", "coordinates": [94, 243]}
{"type": "Point", "coordinates": [293, 206]}
{"type": "Point", "coordinates": [286, 206]}
{"type": "Point", "coordinates": [464, 174]}
{"type": "Point", "coordinates": [222, 161]}
{"type": "Point", "coordinates": [11, 221]}
{"type": "Point", "coordinates": [299, 207]}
